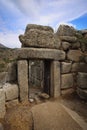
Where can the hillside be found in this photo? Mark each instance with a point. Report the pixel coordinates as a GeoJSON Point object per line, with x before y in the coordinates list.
{"type": "Point", "coordinates": [6, 55]}
{"type": "Point", "coordinates": [2, 46]}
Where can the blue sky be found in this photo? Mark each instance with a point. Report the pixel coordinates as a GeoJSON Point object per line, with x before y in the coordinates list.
{"type": "Point", "coordinates": [16, 14]}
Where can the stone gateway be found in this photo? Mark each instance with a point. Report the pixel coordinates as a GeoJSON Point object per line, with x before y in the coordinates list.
{"type": "Point", "coordinates": [64, 63]}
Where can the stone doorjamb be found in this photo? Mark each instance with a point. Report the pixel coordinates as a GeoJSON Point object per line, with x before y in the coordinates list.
{"type": "Point", "coordinates": [24, 84]}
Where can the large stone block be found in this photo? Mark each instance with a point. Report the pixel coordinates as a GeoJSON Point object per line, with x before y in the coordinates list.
{"type": "Point", "coordinates": [76, 45]}
{"type": "Point", "coordinates": [57, 42]}
{"type": "Point", "coordinates": [65, 67]}
{"type": "Point", "coordinates": [75, 67]}
{"type": "Point", "coordinates": [55, 79]}
{"type": "Point", "coordinates": [40, 53]}
{"type": "Point", "coordinates": [67, 81]}
{"type": "Point", "coordinates": [79, 67]}
{"type": "Point", "coordinates": [38, 36]}
{"type": "Point", "coordinates": [2, 78]}
{"type": "Point", "coordinates": [11, 72]}
{"type": "Point", "coordinates": [82, 80]}
{"type": "Point", "coordinates": [74, 55]}
{"type": "Point", "coordinates": [66, 45]}
{"type": "Point", "coordinates": [11, 91]}
{"type": "Point", "coordinates": [2, 103]}
{"type": "Point", "coordinates": [71, 39]}
{"type": "Point", "coordinates": [82, 67]}
{"type": "Point", "coordinates": [23, 79]}
{"type": "Point", "coordinates": [39, 27]}
{"type": "Point", "coordinates": [65, 30]}
{"type": "Point", "coordinates": [82, 93]}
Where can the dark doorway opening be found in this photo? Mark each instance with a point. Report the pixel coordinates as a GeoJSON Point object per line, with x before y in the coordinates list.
{"type": "Point", "coordinates": [47, 76]}
{"type": "Point", "coordinates": [36, 71]}
{"type": "Point", "coordinates": [39, 77]}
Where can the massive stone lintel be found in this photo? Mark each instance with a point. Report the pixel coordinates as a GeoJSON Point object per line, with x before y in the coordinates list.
{"type": "Point", "coordinates": [33, 53]}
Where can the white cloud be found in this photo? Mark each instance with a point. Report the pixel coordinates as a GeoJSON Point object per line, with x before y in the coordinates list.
{"type": "Point", "coordinates": [10, 39]}
{"type": "Point", "coordinates": [45, 12]}
{"type": "Point", "coordinates": [27, 7]}
{"type": "Point", "coordinates": [49, 11]}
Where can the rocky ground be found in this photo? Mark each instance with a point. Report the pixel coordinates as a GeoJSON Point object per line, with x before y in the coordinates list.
{"type": "Point", "coordinates": [73, 101]}
{"type": "Point", "coordinates": [19, 117]}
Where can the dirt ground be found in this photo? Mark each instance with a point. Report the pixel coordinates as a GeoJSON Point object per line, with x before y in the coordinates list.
{"type": "Point", "coordinates": [75, 103]}
{"type": "Point", "coordinates": [19, 117]}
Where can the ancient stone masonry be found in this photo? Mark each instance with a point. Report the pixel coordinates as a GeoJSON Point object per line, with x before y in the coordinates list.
{"type": "Point", "coordinates": [64, 57]}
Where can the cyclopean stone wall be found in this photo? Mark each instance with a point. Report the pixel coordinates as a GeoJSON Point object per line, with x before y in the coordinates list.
{"type": "Point", "coordinates": [67, 51]}
{"type": "Point", "coordinates": [66, 42]}
{"type": "Point", "coordinates": [74, 68]}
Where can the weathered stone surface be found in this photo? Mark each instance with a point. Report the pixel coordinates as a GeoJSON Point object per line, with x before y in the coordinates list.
{"type": "Point", "coordinates": [23, 79]}
{"type": "Point", "coordinates": [75, 67]}
{"type": "Point", "coordinates": [71, 39]}
{"type": "Point", "coordinates": [85, 57]}
{"type": "Point", "coordinates": [65, 67]}
{"type": "Point", "coordinates": [2, 103]}
{"type": "Point", "coordinates": [2, 78]}
{"type": "Point", "coordinates": [79, 67]}
{"type": "Point", "coordinates": [82, 93]}
{"type": "Point", "coordinates": [11, 91]}
{"type": "Point", "coordinates": [55, 82]}
{"type": "Point", "coordinates": [67, 81]}
{"type": "Point", "coordinates": [57, 42]}
{"type": "Point", "coordinates": [82, 80]}
{"type": "Point", "coordinates": [66, 45]}
{"type": "Point", "coordinates": [39, 27]}
{"type": "Point", "coordinates": [82, 67]}
{"type": "Point", "coordinates": [74, 55]}
{"type": "Point", "coordinates": [26, 53]}
{"type": "Point", "coordinates": [12, 103]}
{"type": "Point", "coordinates": [76, 45]}
{"type": "Point", "coordinates": [1, 127]}
{"type": "Point", "coordinates": [11, 72]}
{"type": "Point", "coordinates": [65, 30]}
{"type": "Point", "coordinates": [38, 36]}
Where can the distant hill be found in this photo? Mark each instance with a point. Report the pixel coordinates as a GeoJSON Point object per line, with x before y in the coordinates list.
{"type": "Point", "coordinates": [2, 46]}
{"type": "Point", "coordinates": [6, 55]}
